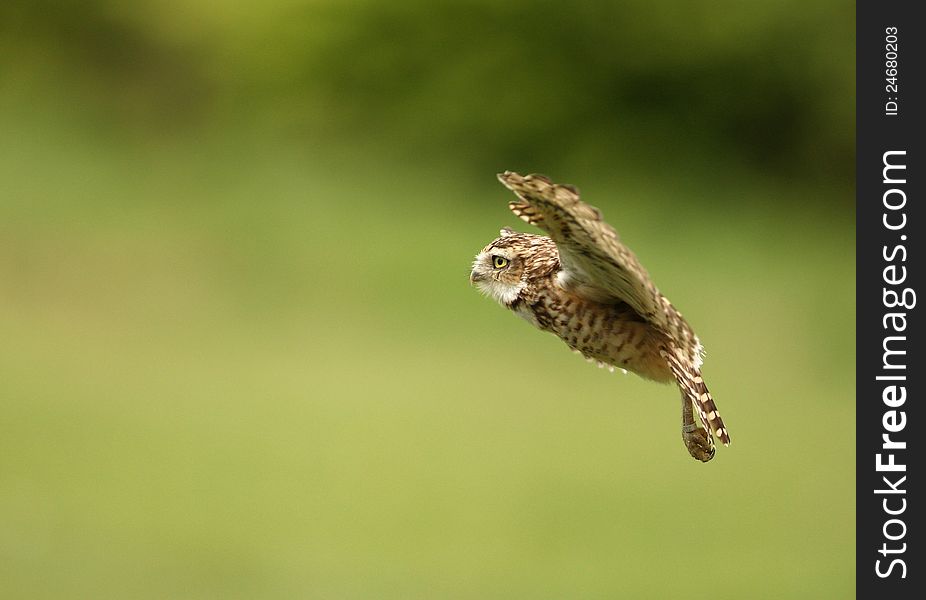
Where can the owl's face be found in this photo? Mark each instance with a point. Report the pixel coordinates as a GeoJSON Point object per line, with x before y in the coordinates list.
{"type": "Point", "coordinates": [504, 267]}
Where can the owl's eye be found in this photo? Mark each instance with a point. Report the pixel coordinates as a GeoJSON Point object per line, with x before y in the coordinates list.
{"type": "Point", "coordinates": [499, 262]}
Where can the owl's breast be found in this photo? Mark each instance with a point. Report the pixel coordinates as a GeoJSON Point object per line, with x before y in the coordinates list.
{"type": "Point", "coordinates": [613, 334]}
{"type": "Point", "coordinates": [526, 312]}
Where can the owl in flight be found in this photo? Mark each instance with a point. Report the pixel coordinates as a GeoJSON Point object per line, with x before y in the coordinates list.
{"type": "Point", "coordinates": [586, 287]}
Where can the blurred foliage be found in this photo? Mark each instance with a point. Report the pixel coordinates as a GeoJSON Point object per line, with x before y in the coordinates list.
{"type": "Point", "coordinates": [764, 84]}
{"type": "Point", "coordinates": [241, 357]}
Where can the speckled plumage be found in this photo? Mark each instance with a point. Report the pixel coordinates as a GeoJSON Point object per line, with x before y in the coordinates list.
{"type": "Point", "coordinates": [584, 286]}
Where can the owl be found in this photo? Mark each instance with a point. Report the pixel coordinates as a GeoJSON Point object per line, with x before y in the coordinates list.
{"type": "Point", "coordinates": [587, 288]}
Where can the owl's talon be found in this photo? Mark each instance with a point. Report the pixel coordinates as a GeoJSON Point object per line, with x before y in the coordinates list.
{"type": "Point", "coordinates": [699, 444]}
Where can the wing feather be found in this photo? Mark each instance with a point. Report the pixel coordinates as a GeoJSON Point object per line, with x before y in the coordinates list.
{"type": "Point", "coordinates": [595, 262]}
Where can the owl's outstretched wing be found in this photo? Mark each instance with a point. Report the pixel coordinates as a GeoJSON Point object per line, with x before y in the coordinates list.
{"type": "Point", "coordinates": [595, 262]}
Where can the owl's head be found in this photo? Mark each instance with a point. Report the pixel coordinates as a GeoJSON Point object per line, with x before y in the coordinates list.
{"type": "Point", "coordinates": [506, 266]}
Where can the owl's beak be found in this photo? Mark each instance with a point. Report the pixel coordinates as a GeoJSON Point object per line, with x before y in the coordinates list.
{"type": "Point", "coordinates": [474, 277]}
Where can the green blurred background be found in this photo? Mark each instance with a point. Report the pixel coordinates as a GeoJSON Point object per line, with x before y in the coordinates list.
{"type": "Point", "coordinates": [241, 358]}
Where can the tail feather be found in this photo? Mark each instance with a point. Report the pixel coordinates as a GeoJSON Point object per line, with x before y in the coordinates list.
{"type": "Point", "coordinates": [689, 380]}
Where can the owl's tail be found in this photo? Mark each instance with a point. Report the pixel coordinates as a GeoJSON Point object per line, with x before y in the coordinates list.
{"type": "Point", "coordinates": [689, 380]}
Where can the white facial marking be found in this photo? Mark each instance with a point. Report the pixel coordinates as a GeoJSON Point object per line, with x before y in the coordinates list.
{"type": "Point", "coordinates": [501, 292]}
